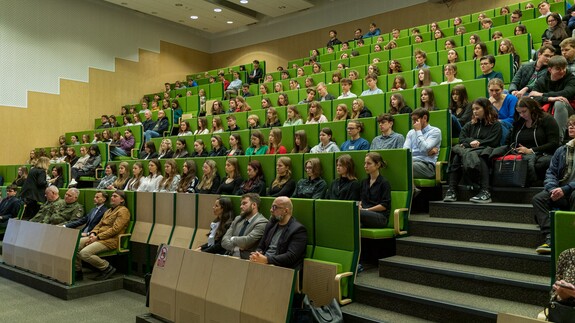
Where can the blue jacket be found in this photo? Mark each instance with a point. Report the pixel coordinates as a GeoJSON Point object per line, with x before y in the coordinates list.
{"type": "Point", "coordinates": [558, 168]}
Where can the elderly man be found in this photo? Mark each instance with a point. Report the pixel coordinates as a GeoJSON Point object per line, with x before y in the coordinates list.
{"type": "Point", "coordinates": [53, 205]}
{"type": "Point", "coordinates": [284, 241]}
{"type": "Point", "coordinates": [247, 228]}
{"type": "Point", "coordinates": [104, 237]}
{"type": "Point", "coordinates": [161, 125]}
{"type": "Point", "coordinates": [93, 217]}
{"type": "Point", "coordinates": [70, 210]}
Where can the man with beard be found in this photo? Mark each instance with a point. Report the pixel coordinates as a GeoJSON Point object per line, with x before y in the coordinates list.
{"type": "Point", "coordinates": [285, 239]}
{"type": "Point", "coordinates": [247, 229]}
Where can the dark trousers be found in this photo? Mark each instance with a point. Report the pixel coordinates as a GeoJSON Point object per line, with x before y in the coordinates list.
{"type": "Point", "coordinates": [542, 204]}
{"type": "Point", "coordinates": [456, 173]}
{"type": "Point", "coordinates": [370, 219]}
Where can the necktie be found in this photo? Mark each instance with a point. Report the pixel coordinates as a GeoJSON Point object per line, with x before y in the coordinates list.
{"type": "Point", "coordinates": [243, 229]}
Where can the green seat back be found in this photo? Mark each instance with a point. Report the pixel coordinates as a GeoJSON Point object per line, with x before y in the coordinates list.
{"type": "Point", "coordinates": [442, 56]}
{"type": "Point", "coordinates": [303, 211]}
{"type": "Point", "coordinates": [466, 70]}
{"type": "Point", "coordinates": [268, 165]}
{"type": "Point", "coordinates": [363, 59]}
{"type": "Point", "coordinates": [563, 224]}
{"type": "Point", "coordinates": [400, 52]}
{"type": "Point", "coordinates": [475, 88]}
{"type": "Point", "coordinates": [338, 129]}
{"type": "Point", "coordinates": [327, 165]}
{"type": "Point", "coordinates": [375, 103]}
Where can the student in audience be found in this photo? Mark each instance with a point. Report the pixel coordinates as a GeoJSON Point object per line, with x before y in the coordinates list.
{"type": "Point", "coordinates": [165, 149]}
{"type": "Point", "coordinates": [322, 91]}
{"type": "Point", "coordinates": [424, 78]}
{"type": "Point", "coordinates": [558, 190]}
{"type": "Point", "coordinates": [373, 70]}
{"type": "Point", "coordinates": [568, 51]}
{"type": "Point", "coordinates": [310, 96]}
{"type": "Point", "coordinates": [210, 181]}
{"type": "Point", "coordinates": [375, 194]}
{"type": "Point", "coordinates": [218, 148]}
{"type": "Point", "coordinates": [71, 157]}
{"type": "Point", "coordinates": [158, 128]}
{"type": "Point", "coordinates": [459, 104]}
{"type": "Point", "coordinates": [336, 77]}
{"type": "Point", "coordinates": [109, 177]}
{"type": "Point", "coordinates": [181, 149]}
{"type": "Point", "coordinates": [266, 103]}
{"type": "Point", "coordinates": [258, 144]}
{"type": "Point", "coordinates": [151, 182]}
{"type": "Point", "coordinates": [313, 186]}
{"type": "Point", "coordinates": [555, 33]}
{"type": "Point", "coordinates": [309, 82]}
{"type": "Point", "coordinates": [333, 39]}
{"type": "Point", "coordinates": [420, 59]}
{"type": "Point", "coordinates": [217, 126]}
{"type": "Point", "coordinates": [427, 99]}
{"type": "Point", "coordinates": [554, 92]}
{"type": "Point", "coordinates": [284, 184]}
{"type": "Point", "coordinates": [106, 136]}
{"type": "Point", "coordinates": [346, 187]}
{"type": "Point", "coordinates": [516, 16]}
{"type": "Point", "coordinates": [397, 104]}
{"type": "Point", "coordinates": [450, 72]}
{"type": "Point", "coordinates": [253, 121]}
{"type": "Point", "coordinates": [275, 142]}
{"type": "Point", "coordinates": [503, 103]}
{"type": "Point", "coordinates": [89, 168]}
{"type": "Point", "coordinates": [57, 178]}
{"type": "Point", "coordinates": [300, 143]}
{"type": "Point", "coordinates": [235, 145]}
{"type": "Point", "coordinates": [247, 228]}
{"type": "Point", "coordinates": [486, 23]}
{"type": "Point", "coordinates": [391, 45]}
{"type": "Point", "coordinates": [452, 56]}
{"type": "Point", "coordinates": [418, 39]}
{"type": "Point", "coordinates": [398, 84]}
{"type": "Point", "coordinates": [137, 122]}
{"type": "Point", "coordinates": [104, 237]}
{"type": "Point", "coordinates": [234, 86]}
{"type": "Point", "coordinates": [341, 113]}
{"type": "Point", "coordinates": [242, 105]}
{"type": "Point", "coordinates": [269, 78]}
{"type": "Point", "coordinates": [388, 138]}
{"type": "Point", "coordinates": [54, 155]}
{"type": "Point", "coordinates": [202, 126]}
{"type": "Point", "coordinates": [122, 178]}
{"type": "Point", "coordinates": [487, 63]}
{"type": "Point", "coordinates": [345, 89]}
{"type": "Point", "coordinates": [23, 175]}
{"type": "Point", "coordinates": [255, 182]}
{"type": "Point", "coordinates": [353, 75]}
{"type": "Point", "coordinates": [137, 177]}
{"type": "Point", "coordinates": [474, 39]}
{"type": "Point", "coordinates": [479, 50]}
{"type": "Point", "coordinates": [231, 184]}
{"type": "Point", "coordinates": [85, 139]}
{"type": "Point", "coordinates": [449, 44]}
{"type": "Point", "coordinates": [371, 80]}
{"type": "Point", "coordinates": [245, 91]}
{"type": "Point", "coordinates": [563, 290]}
{"type": "Point", "coordinates": [529, 5]}
{"type": "Point", "coordinates": [506, 47]}
{"type": "Point", "coordinates": [74, 140]}
{"type": "Point", "coordinates": [93, 217]}
{"type": "Point", "coordinates": [177, 111]}
{"type": "Point", "coordinates": [223, 212]}
{"type": "Point", "coordinates": [325, 145]}
{"type": "Point", "coordinates": [149, 151]}
{"type": "Point", "coordinates": [104, 124]}
{"type": "Point", "coordinates": [171, 179]}
{"type": "Point", "coordinates": [438, 34]}
{"type": "Point", "coordinates": [315, 113]}
{"type": "Point", "coordinates": [482, 131]}
{"type": "Point", "coordinates": [283, 100]}
{"type": "Point", "coordinates": [256, 74]}
{"type": "Point", "coordinates": [272, 118]}
{"type": "Point", "coordinates": [373, 31]}
{"type": "Point", "coordinates": [359, 110]}
{"type": "Point", "coordinates": [125, 145]}
{"type": "Point", "coordinates": [433, 27]}
{"type": "Point", "coordinates": [278, 87]}
{"type": "Point", "coordinates": [460, 30]}
{"type": "Point", "coordinates": [496, 35]}
{"type": "Point", "coordinates": [199, 149]}
{"type": "Point", "coordinates": [232, 123]}
{"type": "Point", "coordinates": [189, 179]}
{"type": "Point", "coordinates": [293, 116]}
{"type": "Point", "coordinates": [424, 141]}
{"type": "Point", "coordinates": [355, 141]}
{"type": "Point", "coordinates": [127, 120]}
{"type": "Point", "coordinates": [316, 68]}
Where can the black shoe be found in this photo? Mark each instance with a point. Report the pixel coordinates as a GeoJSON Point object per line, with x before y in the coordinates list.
{"type": "Point", "coordinates": [482, 197]}
{"type": "Point", "coordinates": [79, 275]}
{"type": "Point", "coordinates": [106, 273]}
{"type": "Point", "coordinates": [450, 196]}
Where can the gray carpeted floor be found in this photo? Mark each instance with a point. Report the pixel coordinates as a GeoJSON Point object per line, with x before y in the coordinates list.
{"type": "Point", "coordinates": [20, 303]}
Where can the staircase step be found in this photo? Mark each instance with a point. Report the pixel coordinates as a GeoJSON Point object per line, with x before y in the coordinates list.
{"type": "Point", "coordinates": [497, 283]}
{"type": "Point", "coordinates": [503, 233]}
{"type": "Point", "coordinates": [518, 259]}
{"type": "Point", "coordinates": [498, 212]}
{"type": "Point", "coordinates": [361, 313]}
{"type": "Point", "coordinates": [431, 303]}
{"type": "Point", "coordinates": [518, 195]}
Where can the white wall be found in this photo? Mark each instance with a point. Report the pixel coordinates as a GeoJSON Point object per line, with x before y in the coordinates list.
{"type": "Point", "coordinates": [44, 40]}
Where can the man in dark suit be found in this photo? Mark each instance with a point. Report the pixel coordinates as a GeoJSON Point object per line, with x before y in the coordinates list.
{"type": "Point", "coordinates": [256, 74]}
{"type": "Point", "coordinates": [93, 217]}
{"type": "Point", "coordinates": [247, 229]}
{"type": "Point", "coordinates": [285, 239]}
{"type": "Point", "coordinates": [10, 205]}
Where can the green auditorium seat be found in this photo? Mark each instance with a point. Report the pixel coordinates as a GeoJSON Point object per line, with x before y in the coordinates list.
{"type": "Point", "coordinates": [488, 13]}
{"type": "Point", "coordinates": [442, 56]}
{"type": "Point", "coordinates": [333, 64]}
{"type": "Point", "coordinates": [365, 59]}
{"type": "Point", "coordinates": [297, 165]}
{"type": "Point", "coordinates": [475, 88]}
{"type": "Point", "coordinates": [334, 89]}
{"type": "Point", "coordinates": [243, 162]}
{"type": "Point", "coordinates": [255, 89]}
{"type": "Point", "coordinates": [398, 173]}
{"type": "Point", "coordinates": [282, 114]}
{"type": "Point", "coordinates": [371, 128]}
{"type": "Point", "coordinates": [401, 123]}
{"type": "Point", "coordinates": [562, 226]}
{"type": "Point", "coordinates": [409, 95]}
{"type": "Point", "coordinates": [499, 21]}
{"type": "Point", "coordinates": [221, 164]}
{"type": "Point", "coordinates": [303, 211]}
{"type": "Point", "coordinates": [381, 83]}
{"type": "Point", "coordinates": [442, 120]}
{"type": "Point", "coordinates": [503, 64]}
{"type": "Point", "coordinates": [472, 27]}
{"type": "Point", "coordinates": [327, 165]}
{"type": "Point", "coordinates": [427, 46]}
{"type": "Point", "coordinates": [375, 102]}
{"type": "Point", "coordinates": [357, 87]}
{"type": "Point", "coordinates": [466, 70]}
{"type": "Point", "coordinates": [244, 137]}
{"type": "Point", "coordinates": [338, 129]}
{"type": "Point", "coordinates": [559, 7]}
{"type": "Point", "coordinates": [319, 77]}
{"type": "Point", "coordinates": [442, 95]}
{"type": "Point", "coordinates": [327, 109]}
{"type": "Point", "coordinates": [192, 105]}
{"type": "Point", "coordinates": [436, 73]}
{"type": "Point", "coordinates": [401, 52]}
{"type": "Point", "coordinates": [311, 130]}
{"type": "Point", "coordinates": [268, 166]}
{"type": "Point", "coordinates": [408, 74]}
{"type": "Point", "coordinates": [255, 101]}
{"type": "Point", "coordinates": [326, 57]}
{"type": "Point", "coordinates": [365, 50]}
{"type": "Point", "coordinates": [403, 42]}
{"type": "Point", "coordinates": [443, 24]}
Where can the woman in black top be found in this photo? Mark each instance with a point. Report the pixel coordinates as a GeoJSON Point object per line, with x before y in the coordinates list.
{"type": "Point", "coordinates": [224, 212]}
{"type": "Point", "coordinates": [459, 104]}
{"type": "Point", "coordinates": [346, 187]}
{"type": "Point", "coordinates": [283, 185]}
{"type": "Point", "coordinates": [218, 148]}
{"type": "Point", "coordinates": [199, 149]}
{"type": "Point", "coordinates": [255, 182]}
{"type": "Point", "coordinates": [235, 145]}
{"type": "Point", "coordinates": [375, 194]}
{"type": "Point", "coordinates": [149, 151]}
{"type": "Point", "coordinates": [57, 177]}
{"type": "Point", "coordinates": [33, 189]}
{"type": "Point", "coordinates": [189, 180]}
{"type": "Point", "coordinates": [210, 179]}
{"type": "Point", "coordinates": [233, 181]}
{"type": "Point", "coordinates": [313, 186]}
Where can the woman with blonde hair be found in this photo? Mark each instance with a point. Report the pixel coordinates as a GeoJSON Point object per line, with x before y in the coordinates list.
{"type": "Point", "coordinates": [22, 175]}
{"type": "Point", "coordinates": [341, 112]}
{"type": "Point", "coordinates": [272, 118]}
{"type": "Point", "coordinates": [210, 179]}
{"type": "Point", "coordinates": [171, 179]}
{"type": "Point", "coordinates": [217, 125]}
{"type": "Point", "coordinates": [123, 177]}
{"type": "Point", "coordinates": [283, 184]}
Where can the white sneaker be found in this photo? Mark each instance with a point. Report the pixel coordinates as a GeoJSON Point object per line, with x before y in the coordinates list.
{"type": "Point", "coordinates": [73, 182]}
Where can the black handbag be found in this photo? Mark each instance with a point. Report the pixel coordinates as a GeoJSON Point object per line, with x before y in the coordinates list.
{"type": "Point", "coordinates": [330, 313]}
{"type": "Point", "coordinates": [510, 171]}
{"type": "Point", "coordinates": [559, 313]}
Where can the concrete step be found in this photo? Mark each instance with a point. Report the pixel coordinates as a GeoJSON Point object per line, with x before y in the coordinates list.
{"type": "Point", "coordinates": [361, 313]}
{"type": "Point", "coordinates": [431, 303]}
{"type": "Point", "coordinates": [517, 259]}
{"type": "Point", "coordinates": [509, 285]}
{"type": "Point", "coordinates": [495, 212]}
{"type": "Point", "coordinates": [517, 195]}
{"type": "Point", "coordinates": [501, 233]}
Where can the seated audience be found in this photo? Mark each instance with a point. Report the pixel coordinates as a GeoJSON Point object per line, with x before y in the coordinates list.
{"type": "Point", "coordinates": [371, 81]}
{"type": "Point", "coordinates": [151, 182]}
{"type": "Point", "coordinates": [256, 74]}
{"type": "Point", "coordinates": [258, 144]}
{"type": "Point", "coordinates": [313, 186]}
{"type": "Point", "coordinates": [459, 104]}
{"type": "Point", "coordinates": [158, 129]}
{"type": "Point", "coordinates": [424, 78]}
{"type": "Point", "coordinates": [300, 143]}
{"type": "Point", "coordinates": [255, 182]}
{"type": "Point", "coordinates": [397, 104]}
{"type": "Point", "coordinates": [506, 47]}
{"type": "Point", "coordinates": [375, 194]}
{"type": "Point", "coordinates": [346, 85]}
{"type": "Point", "coordinates": [284, 240]}
{"type": "Point", "coordinates": [181, 149]}
{"type": "Point", "coordinates": [345, 187]}
{"type": "Point", "coordinates": [325, 145]}
{"type": "Point", "coordinates": [482, 131]}
{"type": "Point", "coordinates": [293, 116]}
{"type": "Point", "coordinates": [60, 211]}
{"type": "Point", "coordinates": [310, 96]}
{"type": "Point", "coordinates": [202, 126]}
{"type": "Point", "coordinates": [123, 177]}
{"type": "Point", "coordinates": [450, 72]}
{"type": "Point", "coordinates": [218, 148]}
{"type": "Point", "coordinates": [247, 228]}
{"type": "Point", "coordinates": [420, 59]}
{"type": "Point", "coordinates": [149, 151]}
{"type": "Point", "coordinates": [341, 113]}
{"type": "Point", "coordinates": [23, 174]}
{"type": "Point", "coordinates": [235, 145]}
{"type": "Point", "coordinates": [284, 184]}
{"type": "Point", "coordinates": [253, 121]}
{"type": "Point", "coordinates": [479, 50]}
{"type": "Point", "coordinates": [231, 184]}
{"type": "Point", "coordinates": [199, 149]}
{"type": "Point", "coordinates": [137, 178]}
{"type": "Point", "coordinates": [171, 179]}
{"type": "Point", "coordinates": [189, 179]}
{"type": "Point", "coordinates": [503, 103]}
{"type": "Point", "coordinates": [210, 179]}
{"type": "Point", "coordinates": [424, 141]}
{"type": "Point", "coordinates": [104, 237]}
{"type": "Point", "coordinates": [388, 139]}
{"type": "Point", "coordinates": [10, 205]}
{"type": "Point", "coordinates": [555, 33]}
{"type": "Point", "coordinates": [487, 63]}
{"type": "Point", "coordinates": [184, 129]}
{"type": "Point", "coordinates": [217, 125]}
{"type": "Point", "coordinates": [223, 212]}
{"type": "Point", "coordinates": [321, 89]}
{"type": "Point", "coordinates": [272, 118]}
{"type": "Point", "coordinates": [234, 86]}
{"type": "Point", "coordinates": [315, 113]}
{"type": "Point", "coordinates": [283, 100]}
{"type": "Point", "coordinates": [165, 149]}
{"type": "Point", "coordinates": [530, 72]}
{"type": "Point", "coordinates": [355, 141]}
{"type": "Point", "coordinates": [232, 123]}
{"type": "Point", "coordinates": [109, 177]}
{"type": "Point", "coordinates": [399, 84]}
{"type": "Point", "coordinates": [93, 217]}
{"type": "Point", "coordinates": [124, 146]}
{"type": "Point", "coordinates": [275, 142]}
{"type": "Point", "coordinates": [89, 168]}
{"type": "Point", "coordinates": [57, 177]}
{"type": "Point", "coordinates": [359, 110]}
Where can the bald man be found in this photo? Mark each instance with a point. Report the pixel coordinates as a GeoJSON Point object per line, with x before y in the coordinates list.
{"type": "Point", "coordinates": [53, 205]}
{"type": "Point", "coordinates": [285, 239]}
{"type": "Point", "coordinates": [68, 211]}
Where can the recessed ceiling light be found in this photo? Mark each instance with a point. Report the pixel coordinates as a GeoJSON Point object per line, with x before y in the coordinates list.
{"type": "Point", "coordinates": [178, 5]}
{"type": "Point", "coordinates": [281, 7]}
{"type": "Point", "coordinates": [124, 3]}
{"type": "Point", "coordinates": [218, 10]}
{"type": "Point", "coordinates": [194, 17]}
{"type": "Point", "coordinates": [230, 22]}
{"type": "Point", "coordinates": [244, 1]}
{"type": "Point", "coordinates": [154, 13]}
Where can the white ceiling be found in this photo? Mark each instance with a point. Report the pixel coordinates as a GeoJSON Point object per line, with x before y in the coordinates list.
{"type": "Point", "coordinates": [233, 16]}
